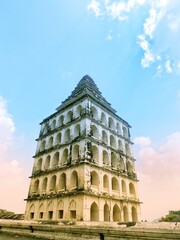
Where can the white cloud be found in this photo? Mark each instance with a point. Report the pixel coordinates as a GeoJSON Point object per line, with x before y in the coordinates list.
{"type": "Point", "coordinates": [158, 171]}
{"type": "Point", "coordinates": [150, 24]}
{"type": "Point", "coordinates": [161, 28]}
{"type": "Point", "coordinates": [168, 66]}
{"type": "Point", "coordinates": [108, 37]}
{"type": "Point", "coordinates": [159, 69]}
{"type": "Point", "coordinates": [143, 42]}
{"type": "Point", "coordinates": [12, 175]}
{"type": "Point", "coordinates": [148, 57]}
{"type": "Point", "coordinates": [94, 6]}
{"type": "Point", "coordinates": [7, 127]}
{"type": "Point", "coordinates": [159, 58]}
{"type": "Point", "coordinates": [142, 141]}
{"type": "Point", "coordinates": [120, 9]}
{"type": "Point", "coordinates": [115, 9]}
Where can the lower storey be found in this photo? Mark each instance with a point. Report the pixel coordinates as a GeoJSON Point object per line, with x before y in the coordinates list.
{"type": "Point", "coordinates": [82, 208]}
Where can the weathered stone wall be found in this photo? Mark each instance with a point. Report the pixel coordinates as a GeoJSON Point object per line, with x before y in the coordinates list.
{"type": "Point", "coordinates": [81, 232]}
{"type": "Point", "coordinates": [84, 168]}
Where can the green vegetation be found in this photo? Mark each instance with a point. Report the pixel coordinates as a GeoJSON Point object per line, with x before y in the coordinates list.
{"type": "Point", "coordinates": [173, 216]}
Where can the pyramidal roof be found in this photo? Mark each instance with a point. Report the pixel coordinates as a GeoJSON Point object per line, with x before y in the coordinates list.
{"type": "Point", "coordinates": [86, 86]}
{"type": "Point", "coordinates": [86, 83]}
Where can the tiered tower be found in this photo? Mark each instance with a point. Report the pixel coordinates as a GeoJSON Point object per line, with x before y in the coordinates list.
{"type": "Point", "coordinates": [83, 165]}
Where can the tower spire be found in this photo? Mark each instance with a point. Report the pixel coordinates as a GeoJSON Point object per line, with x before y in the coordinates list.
{"type": "Point", "coordinates": [86, 86]}
{"type": "Point", "coordinates": [86, 83]}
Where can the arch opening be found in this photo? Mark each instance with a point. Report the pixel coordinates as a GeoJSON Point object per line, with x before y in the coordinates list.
{"type": "Point", "coordinates": [64, 158]}
{"type": "Point", "coordinates": [47, 162]}
{"type": "Point", "coordinates": [74, 180]}
{"type": "Point", "coordinates": [125, 214]}
{"type": "Point", "coordinates": [52, 186]}
{"type": "Point", "coordinates": [94, 178]}
{"type": "Point", "coordinates": [94, 212]}
{"type": "Point", "coordinates": [115, 184]}
{"type": "Point", "coordinates": [116, 213]}
{"type": "Point", "coordinates": [95, 154]}
{"type": "Point", "coordinates": [62, 182]}
{"type": "Point", "coordinates": [105, 182]}
{"type": "Point", "coordinates": [106, 213]}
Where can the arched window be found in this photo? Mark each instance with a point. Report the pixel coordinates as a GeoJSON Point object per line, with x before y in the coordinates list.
{"type": "Point", "coordinates": [120, 146]}
{"type": "Point", "coordinates": [50, 142]}
{"type": "Point", "coordinates": [74, 180]}
{"type": "Point", "coordinates": [104, 137]}
{"type": "Point", "coordinates": [39, 164]}
{"type": "Point", "coordinates": [112, 141]}
{"type": "Point", "coordinates": [106, 213]}
{"type": "Point", "coordinates": [94, 132]}
{"type": "Point", "coordinates": [32, 211]}
{"type": "Point", "coordinates": [125, 132]}
{"type": "Point", "coordinates": [53, 183]}
{"type": "Point", "coordinates": [116, 213]}
{"type": "Point", "coordinates": [69, 116]}
{"type": "Point", "coordinates": [42, 146]}
{"type": "Point", "coordinates": [41, 211]}
{"type": "Point", "coordinates": [75, 155]}
{"type": "Point", "coordinates": [105, 182]}
{"type": "Point", "coordinates": [77, 131]}
{"type": "Point", "coordinates": [111, 124]}
{"type": "Point", "coordinates": [125, 214]}
{"type": "Point", "coordinates": [123, 185]}
{"type": "Point", "coordinates": [64, 158]}
{"type": "Point", "coordinates": [105, 158]}
{"type": "Point", "coordinates": [60, 209]}
{"type": "Point", "coordinates": [61, 121]}
{"type": "Point", "coordinates": [62, 182]}
{"type": "Point", "coordinates": [50, 210]}
{"type": "Point", "coordinates": [113, 160]}
{"type": "Point", "coordinates": [58, 138]}
{"type": "Point", "coordinates": [55, 159]}
{"type": "Point", "coordinates": [118, 128]}
{"type": "Point", "coordinates": [79, 111]}
{"type": "Point", "coordinates": [129, 167]}
{"type": "Point", "coordinates": [128, 152]}
{"type": "Point", "coordinates": [132, 189]}
{"type": "Point", "coordinates": [94, 113]}
{"type": "Point", "coordinates": [36, 186]}
{"type": "Point", "coordinates": [94, 212]}
{"type": "Point", "coordinates": [46, 128]}
{"type": "Point", "coordinates": [115, 184]}
{"type": "Point", "coordinates": [94, 178]}
{"type": "Point", "coordinates": [72, 208]}
{"type": "Point", "coordinates": [47, 162]}
{"type": "Point", "coordinates": [95, 154]}
{"type": "Point", "coordinates": [134, 214]}
{"type": "Point", "coordinates": [121, 164]}
{"type": "Point", "coordinates": [53, 124]}
{"type": "Point", "coordinates": [67, 137]}
{"type": "Point", "coordinates": [44, 184]}
{"type": "Point", "coordinates": [103, 119]}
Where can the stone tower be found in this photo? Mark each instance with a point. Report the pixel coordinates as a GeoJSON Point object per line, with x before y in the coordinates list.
{"type": "Point", "coordinates": [83, 165]}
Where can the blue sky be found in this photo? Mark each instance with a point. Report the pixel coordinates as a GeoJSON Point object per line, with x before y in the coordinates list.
{"type": "Point", "coordinates": [130, 48]}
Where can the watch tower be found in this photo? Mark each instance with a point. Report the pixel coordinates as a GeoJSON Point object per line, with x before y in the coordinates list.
{"type": "Point", "coordinates": [83, 166]}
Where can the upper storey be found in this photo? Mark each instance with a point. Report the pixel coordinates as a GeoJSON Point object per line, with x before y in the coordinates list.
{"type": "Point", "coordinates": [86, 87]}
